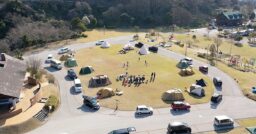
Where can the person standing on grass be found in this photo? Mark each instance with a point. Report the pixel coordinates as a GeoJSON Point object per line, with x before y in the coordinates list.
{"type": "Point", "coordinates": [146, 63]}
{"type": "Point", "coordinates": [139, 59]}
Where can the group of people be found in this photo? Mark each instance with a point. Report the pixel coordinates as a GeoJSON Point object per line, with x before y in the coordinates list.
{"type": "Point", "coordinates": [135, 79]}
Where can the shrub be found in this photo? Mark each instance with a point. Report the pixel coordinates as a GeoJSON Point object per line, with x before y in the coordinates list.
{"type": "Point", "coordinates": [50, 78]}
{"type": "Point", "coordinates": [52, 102]}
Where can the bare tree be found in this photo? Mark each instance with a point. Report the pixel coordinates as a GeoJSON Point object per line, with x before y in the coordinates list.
{"type": "Point", "coordinates": [218, 42]}
{"type": "Point", "coordinates": [33, 67]}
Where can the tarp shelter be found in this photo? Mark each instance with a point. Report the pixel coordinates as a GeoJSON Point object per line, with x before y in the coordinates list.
{"type": "Point", "coordinates": [105, 93]}
{"type": "Point", "coordinates": [86, 70]}
{"type": "Point", "coordinates": [201, 83]}
{"type": "Point", "coordinates": [173, 95]}
{"type": "Point", "coordinates": [197, 90]}
{"type": "Point", "coordinates": [183, 64]}
{"type": "Point", "coordinates": [128, 46]}
{"type": "Point", "coordinates": [70, 62]}
{"type": "Point", "coordinates": [105, 44]}
{"type": "Point", "coordinates": [100, 80]}
{"type": "Point", "coordinates": [143, 51]}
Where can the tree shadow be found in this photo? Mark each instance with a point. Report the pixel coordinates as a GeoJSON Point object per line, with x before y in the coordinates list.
{"type": "Point", "coordinates": [73, 92]}
{"type": "Point", "coordinates": [51, 69]}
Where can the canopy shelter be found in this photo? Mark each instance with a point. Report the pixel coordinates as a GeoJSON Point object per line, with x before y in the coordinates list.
{"type": "Point", "coordinates": [105, 93]}
{"type": "Point", "coordinates": [100, 80]}
{"type": "Point", "coordinates": [143, 51]}
{"type": "Point", "coordinates": [86, 70]}
{"type": "Point", "coordinates": [201, 83]}
{"type": "Point", "coordinates": [173, 95]}
{"type": "Point", "coordinates": [70, 62]}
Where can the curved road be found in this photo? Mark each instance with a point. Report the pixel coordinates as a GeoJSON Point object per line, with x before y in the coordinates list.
{"type": "Point", "coordinates": [73, 118]}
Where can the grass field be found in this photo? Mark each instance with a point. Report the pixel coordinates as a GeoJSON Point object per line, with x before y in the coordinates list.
{"type": "Point", "coordinates": [109, 62]}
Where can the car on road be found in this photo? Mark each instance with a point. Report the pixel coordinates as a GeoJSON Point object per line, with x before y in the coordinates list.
{"type": "Point", "coordinates": [99, 43]}
{"type": "Point", "coordinates": [64, 50]}
{"type": "Point", "coordinates": [216, 98]}
{"type": "Point", "coordinates": [143, 109]}
{"type": "Point", "coordinates": [178, 128]}
{"type": "Point", "coordinates": [217, 81]}
{"type": "Point", "coordinates": [49, 58]}
{"type": "Point", "coordinates": [77, 85]}
{"type": "Point", "coordinates": [203, 69]}
{"type": "Point", "coordinates": [72, 74]}
{"type": "Point", "coordinates": [223, 120]}
{"type": "Point", "coordinates": [56, 64]}
{"type": "Point", "coordinates": [189, 60]}
{"type": "Point", "coordinates": [180, 105]}
{"type": "Point", "coordinates": [91, 102]}
{"type": "Point", "coordinates": [128, 130]}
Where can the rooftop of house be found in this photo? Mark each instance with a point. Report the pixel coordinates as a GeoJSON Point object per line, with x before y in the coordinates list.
{"type": "Point", "coordinates": [12, 75]}
{"type": "Point", "coordinates": [233, 15]}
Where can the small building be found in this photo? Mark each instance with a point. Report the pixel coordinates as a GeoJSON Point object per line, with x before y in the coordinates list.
{"type": "Point", "coordinates": [253, 16]}
{"type": "Point", "coordinates": [229, 18]}
{"type": "Point", "coordinates": [12, 75]}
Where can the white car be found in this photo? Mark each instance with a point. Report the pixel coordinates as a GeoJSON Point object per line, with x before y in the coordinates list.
{"type": "Point", "coordinates": [189, 60]}
{"type": "Point", "coordinates": [142, 109]}
{"type": "Point", "coordinates": [99, 43]}
{"type": "Point", "coordinates": [64, 50]}
{"type": "Point", "coordinates": [223, 120]}
{"type": "Point", "coordinates": [77, 85]}
{"type": "Point", "coordinates": [49, 58]}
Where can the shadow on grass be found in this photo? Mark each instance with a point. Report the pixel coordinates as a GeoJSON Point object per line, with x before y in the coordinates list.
{"type": "Point", "coordinates": [195, 96]}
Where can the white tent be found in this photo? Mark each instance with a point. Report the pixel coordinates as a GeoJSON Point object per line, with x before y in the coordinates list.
{"type": "Point", "coordinates": [128, 46]}
{"type": "Point", "coordinates": [105, 44]}
{"type": "Point", "coordinates": [143, 50]}
{"type": "Point", "coordinates": [197, 90]}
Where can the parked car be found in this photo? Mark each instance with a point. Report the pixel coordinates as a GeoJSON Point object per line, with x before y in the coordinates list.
{"type": "Point", "coordinates": [223, 120]}
{"type": "Point", "coordinates": [178, 127]}
{"type": "Point", "coordinates": [153, 49]}
{"type": "Point", "coordinates": [203, 69]}
{"type": "Point", "coordinates": [99, 43]}
{"type": "Point", "coordinates": [72, 74]}
{"type": "Point", "coordinates": [91, 102]}
{"type": "Point", "coordinates": [49, 58]}
{"type": "Point", "coordinates": [77, 85]}
{"type": "Point", "coordinates": [128, 130]}
{"type": "Point", "coordinates": [189, 60]}
{"type": "Point", "coordinates": [179, 105]}
{"type": "Point", "coordinates": [216, 98]}
{"type": "Point", "coordinates": [64, 50]}
{"type": "Point", "coordinates": [142, 109]}
{"type": "Point", "coordinates": [56, 64]}
{"type": "Point", "coordinates": [217, 81]}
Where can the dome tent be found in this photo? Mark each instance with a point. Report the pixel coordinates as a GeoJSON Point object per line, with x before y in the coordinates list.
{"type": "Point", "coordinates": [105, 93]}
{"type": "Point", "coordinates": [183, 64]}
{"type": "Point", "coordinates": [143, 50]}
{"type": "Point", "coordinates": [197, 90]}
{"type": "Point", "coordinates": [173, 95]}
{"type": "Point", "coordinates": [105, 44]}
{"type": "Point", "coordinates": [70, 62]}
{"type": "Point", "coordinates": [86, 70]}
{"type": "Point", "coordinates": [128, 46]}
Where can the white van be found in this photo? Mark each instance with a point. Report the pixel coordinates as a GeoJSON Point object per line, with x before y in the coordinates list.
{"type": "Point", "coordinates": [223, 120]}
{"type": "Point", "coordinates": [77, 85]}
{"type": "Point", "coordinates": [56, 64]}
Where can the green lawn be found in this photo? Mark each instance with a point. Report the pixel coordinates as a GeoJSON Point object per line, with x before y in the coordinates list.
{"type": "Point", "coordinates": [108, 61]}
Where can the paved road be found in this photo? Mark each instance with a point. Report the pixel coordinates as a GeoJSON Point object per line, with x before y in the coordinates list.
{"type": "Point", "coordinates": [73, 118]}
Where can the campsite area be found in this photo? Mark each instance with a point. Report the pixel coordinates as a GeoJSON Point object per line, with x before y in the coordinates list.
{"type": "Point", "coordinates": [107, 61]}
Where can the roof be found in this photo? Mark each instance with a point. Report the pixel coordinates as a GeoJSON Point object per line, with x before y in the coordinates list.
{"type": "Point", "coordinates": [14, 74]}
{"type": "Point", "coordinates": [222, 117]}
{"type": "Point", "coordinates": [234, 15]}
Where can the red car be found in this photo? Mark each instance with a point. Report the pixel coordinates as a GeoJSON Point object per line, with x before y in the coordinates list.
{"type": "Point", "coordinates": [179, 105]}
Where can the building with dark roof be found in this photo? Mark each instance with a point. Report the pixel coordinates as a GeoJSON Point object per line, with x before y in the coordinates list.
{"type": "Point", "coordinates": [12, 75]}
{"type": "Point", "coordinates": [234, 18]}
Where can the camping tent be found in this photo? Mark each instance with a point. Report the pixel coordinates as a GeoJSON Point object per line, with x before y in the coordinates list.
{"type": "Point", "coordinates": [105, 45]}
{"type": "Point", "coordinates": [86, 70]}
{"type": "Point", "coordinates": [100, 80]}
{"type": "Point", "coordinates": [186, 72]}
{"type": "Point", "coordinates": [143, 51]}
{"type": "Point", "coordinates": [105, 93]}
{"type": "Point", "coordinates": [173, 95]}
{"type": "Point", "coordinates": [65, 57]}
{"type": "Point", "coordinates": [70, 62]}
{"type": "Point", "coordinates": [139, 45]}
{"type": "Point", "coordinates": [183, 64]}
{"type": "Point", "coordinates": [197, 90]}
{"type": "Point", "coordinates": [201, 83]}
{"type": "Point", "coordinates": [128, 46]}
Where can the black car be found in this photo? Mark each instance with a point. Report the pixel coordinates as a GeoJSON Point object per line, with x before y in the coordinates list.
{"type": "Point", "coordinates": [72, 74]}
{"type": "Point", "coordinates": [217, 81]}
{"type": "Point", "coordinates": [123, 131]}
{"type": "Point", "coordinates": [153, 49]}
{"type": "Point", "coordinates": [216, 98]}
{"type": "Point", "coordinates": [91, 102]}
{"type": "Point", "coordinates": [178, 127]}
{"type": "Point", "coordinates": [139, 45]}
